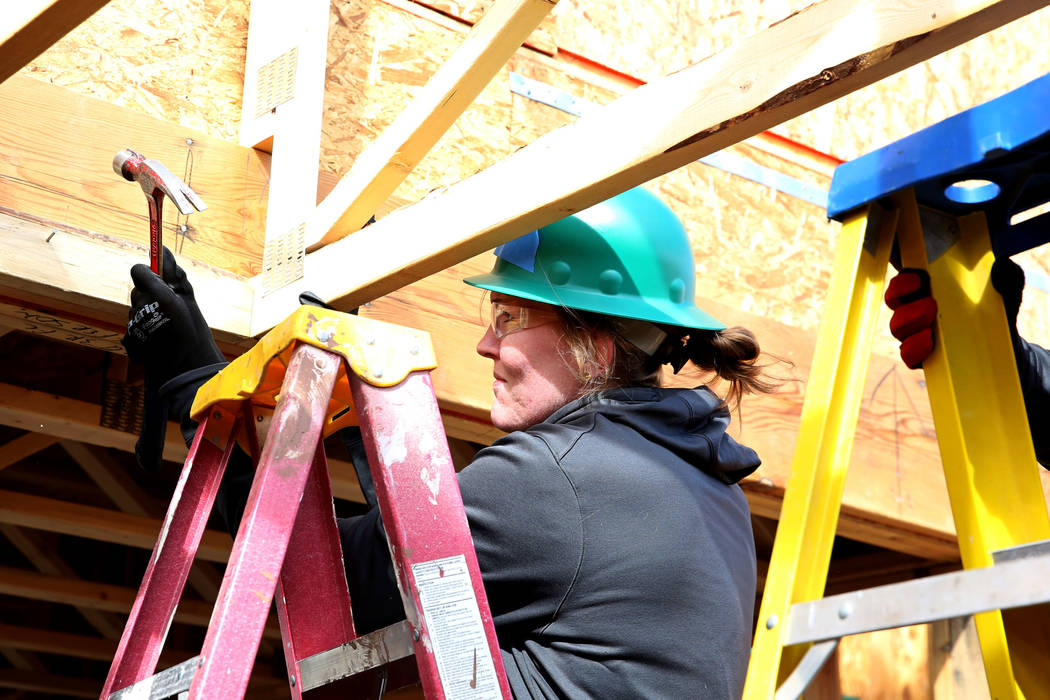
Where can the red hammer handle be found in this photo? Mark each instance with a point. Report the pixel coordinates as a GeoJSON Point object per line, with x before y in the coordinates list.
{"type": "Point", "coordinates": [156, 232]}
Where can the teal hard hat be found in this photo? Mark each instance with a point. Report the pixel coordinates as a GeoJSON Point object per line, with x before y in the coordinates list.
{"type": "Point", "coordinates": [628, 256]}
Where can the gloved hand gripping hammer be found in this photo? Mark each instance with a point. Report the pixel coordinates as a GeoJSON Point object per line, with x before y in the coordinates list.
{"type": "Point", "coordinates": [156, 181]}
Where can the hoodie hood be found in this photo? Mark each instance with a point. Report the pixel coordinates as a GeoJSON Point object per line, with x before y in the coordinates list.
{"type": "Point", "coordinates": [688, 422]}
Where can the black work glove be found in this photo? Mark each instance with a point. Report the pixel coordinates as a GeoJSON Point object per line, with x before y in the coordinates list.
{"type": "Point", "coordinates": [1033, 361]}
{"type": "Point", "coordinates": [1008, 280]}
{"type": "Point", "coordinates": [167, 333]}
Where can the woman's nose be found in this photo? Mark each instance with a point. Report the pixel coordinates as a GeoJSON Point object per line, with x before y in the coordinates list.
{"type": "Point", "coordinates": [488, 346]}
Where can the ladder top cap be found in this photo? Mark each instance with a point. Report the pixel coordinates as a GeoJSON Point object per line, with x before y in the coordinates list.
{"type": "Point", "coordinates": [380, 353]}
{"type": "Point", "coordinates": [994, 158]}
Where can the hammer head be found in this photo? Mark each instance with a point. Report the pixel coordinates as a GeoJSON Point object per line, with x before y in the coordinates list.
{"type": "Point", "coordinates": [154, 178]}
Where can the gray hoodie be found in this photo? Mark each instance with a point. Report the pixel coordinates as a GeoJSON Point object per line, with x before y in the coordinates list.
{"type": "Point", "coordinates": [615, 547]}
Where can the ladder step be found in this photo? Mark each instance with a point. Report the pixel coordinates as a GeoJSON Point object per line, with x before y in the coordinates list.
{"type": "Point", "coordinates": [366, 652]}
{"type": "Point", "coordinates": [939, 597]}
{"type": "Point", "coordinates": [170, 681]}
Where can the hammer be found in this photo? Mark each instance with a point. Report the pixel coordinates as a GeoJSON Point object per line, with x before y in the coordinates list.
{"type": "Point", "coordinates": [156, 181]}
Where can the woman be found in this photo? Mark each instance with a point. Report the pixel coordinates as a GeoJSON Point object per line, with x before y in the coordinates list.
{"type": "Point", "coordinates": [616, 552]}
{"type": "Point", "coordinates": [615, 547]}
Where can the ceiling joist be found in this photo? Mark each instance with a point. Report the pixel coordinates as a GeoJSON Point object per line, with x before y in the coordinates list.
{"type": "Point", "coordinates": [383, 166]}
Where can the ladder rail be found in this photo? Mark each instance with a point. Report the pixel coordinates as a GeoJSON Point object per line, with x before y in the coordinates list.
{"type": "Point", "coordinates": [436, 569]}
{"type": "Point", "coordinates": [316, 372]}
{"type": "Point", "coordinates": [165, 578]}
{"type": "Point", "coordinates": [259, 550]}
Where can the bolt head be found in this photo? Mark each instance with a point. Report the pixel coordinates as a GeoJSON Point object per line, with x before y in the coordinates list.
{"type": "Point", "coordinates": [415, 635]}
{"type": "Point", "coordinates": [846, 610]}
{"type": "Point", "coordinates": [772, 622]}
{"type": "Point", "coordinates": [378, 374]}
{"type": "Point", "coordinates": [324, 335]}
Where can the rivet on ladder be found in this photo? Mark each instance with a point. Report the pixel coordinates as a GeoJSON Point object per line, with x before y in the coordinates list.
{"type": "Point", "coordinates": [845, 611]}
{"type": "Point", "coordinates": [771, 622]}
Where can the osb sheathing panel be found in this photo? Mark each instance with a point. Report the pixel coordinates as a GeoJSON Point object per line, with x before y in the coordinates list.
{"type": "Point", "coordinates": [178, 60]}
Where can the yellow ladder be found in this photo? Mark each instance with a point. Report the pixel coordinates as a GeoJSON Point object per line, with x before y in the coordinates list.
{"type": "Point", "coordinates": [989, 462]}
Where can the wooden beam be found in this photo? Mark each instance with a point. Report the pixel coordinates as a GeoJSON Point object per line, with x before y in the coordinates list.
{"type": "Point", "coordinates": [809, 59]}
{"type": "Point", "coordinates": [84, 647]}
{"type": "Point", "coordinates": [23, 446]}
{"type": "Point", "coordinates": [30, 26]}
{"type": "Point", "coordinates": [80, 646]}
{"type": "Point", "coordinates": [74, 285]}
{"type": "Point", "coordinates": [129, 498]}
{"type": "Point", "coordinates": [50, 685]}
{"type": "Point", "coordinates": [46, 561]}
{"type": "Point", "coordinates": [78, 520]}
{"type": "Point", "coordinates": [65, 180]}
{"type": "Point", "coordinates": [383, 166]}
{"type": "Point", "coordinates": [100, 596]}
{"type": "Point", "coordinates": [71, 419]}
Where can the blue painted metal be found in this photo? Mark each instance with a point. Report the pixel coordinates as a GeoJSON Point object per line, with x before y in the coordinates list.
{"type": "Point", "coordinates": [1005, 142]}
{"type": "Point", "coordinates": [723, 160]}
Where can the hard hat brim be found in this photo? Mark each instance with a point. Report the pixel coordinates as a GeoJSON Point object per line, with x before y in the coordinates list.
{"type": "Point", "coordinates": [686, 316]}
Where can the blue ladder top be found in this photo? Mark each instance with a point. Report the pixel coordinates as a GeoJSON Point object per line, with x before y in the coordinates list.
{"type": "Point", "coordinates": [993, 157]}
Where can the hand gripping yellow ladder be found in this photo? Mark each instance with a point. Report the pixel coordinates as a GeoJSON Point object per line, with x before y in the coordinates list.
{"type": "Point", "coordinates": [954, 196]}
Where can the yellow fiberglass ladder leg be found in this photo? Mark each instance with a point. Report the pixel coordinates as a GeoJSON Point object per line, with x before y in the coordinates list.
{"type": "Point", "coordinates": [982, 430]}
{"type": "Point", "coordinates": [802, 549]}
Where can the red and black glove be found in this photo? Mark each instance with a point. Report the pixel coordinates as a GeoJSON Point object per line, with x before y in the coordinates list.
{"type": "Point", "coordinates": [914, 313]}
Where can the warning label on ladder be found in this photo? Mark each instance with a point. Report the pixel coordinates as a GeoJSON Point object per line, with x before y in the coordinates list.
{"type": "Point", "coordinates": [450, 609]}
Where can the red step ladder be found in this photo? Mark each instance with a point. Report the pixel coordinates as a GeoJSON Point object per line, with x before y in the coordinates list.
{"type": "Point", "coordinates": [318, 371]}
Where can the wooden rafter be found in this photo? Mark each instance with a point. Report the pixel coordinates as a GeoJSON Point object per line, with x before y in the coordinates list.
{"type": "Point", "coordinates": [82, 646]}
{"type": "Point", "coordinates": [23, 446]}
{"type": "Point", "coordinates": [807, 60]}
{"type": "Point", "coordinates": [48, 562]}
{"type": "Point", "coordinates": [387, 161]}
{"type": "Point", "coordinates": [100, 596]}
{"type": "Point", "coordinates": [129, 498]}
{"type": "Point", "coordinates": [38, 512]}
{"type": "Point", "coordinates": [49, 685]}
{"type": "Point", "coordinates": [71, 419]}
{"type": "Point", "coordinates": [29, 27]}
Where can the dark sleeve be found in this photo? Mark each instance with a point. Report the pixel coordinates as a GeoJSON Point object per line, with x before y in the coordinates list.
{"type": "Point", "coordinates": [374, 595]}
{"type": "Point", "coordinates": [1033, 367]}
{"type": "Point", "coordinates": [525, 522]}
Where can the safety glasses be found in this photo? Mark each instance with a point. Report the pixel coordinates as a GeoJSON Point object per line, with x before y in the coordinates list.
{"type": "Point", "coordinates": [511, 318]}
